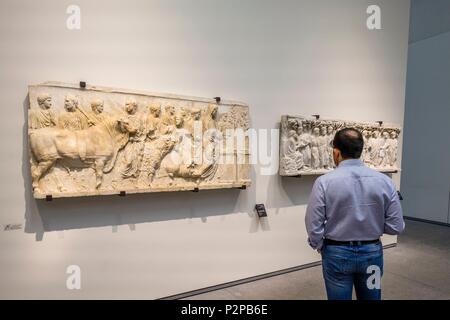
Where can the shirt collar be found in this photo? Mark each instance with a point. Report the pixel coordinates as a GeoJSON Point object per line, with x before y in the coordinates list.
{"type": "Point", "coordinates": [351, 163]}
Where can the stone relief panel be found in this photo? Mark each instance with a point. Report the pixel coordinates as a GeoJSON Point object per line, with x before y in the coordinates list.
{"type": "Point", "coordinates": [99, 141]}
{"type": "Point", "coordinates": [306, 145]}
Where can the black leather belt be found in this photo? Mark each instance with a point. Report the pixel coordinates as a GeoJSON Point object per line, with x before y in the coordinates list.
{"type": "Point", "coordinates": [349, 243]}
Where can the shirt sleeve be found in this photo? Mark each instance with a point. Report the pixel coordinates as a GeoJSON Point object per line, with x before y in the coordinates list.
{"type": "Point", "coordinates": [315, 215]}
{"type": "Point", "coordinates": [393, 219]}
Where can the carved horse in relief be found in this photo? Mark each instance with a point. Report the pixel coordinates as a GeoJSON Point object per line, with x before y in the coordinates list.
{"type": "Point", "coordinates": [95, 147]}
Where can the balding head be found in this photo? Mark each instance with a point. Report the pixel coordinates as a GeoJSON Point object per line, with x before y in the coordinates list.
{"type": "Point", "coordinates": [349, 142]}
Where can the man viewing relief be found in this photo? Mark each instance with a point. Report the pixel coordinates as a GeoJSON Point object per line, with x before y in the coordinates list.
{"type": "Point", "coordinates": [349, 209]}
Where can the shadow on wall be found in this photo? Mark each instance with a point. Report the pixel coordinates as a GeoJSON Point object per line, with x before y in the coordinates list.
{"type": "Point", "coordinates": [292, 190]}
{"type": "Point", "coordinates": [100, 211]}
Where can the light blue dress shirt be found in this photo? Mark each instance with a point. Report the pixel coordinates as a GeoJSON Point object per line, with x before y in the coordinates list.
{"type": "Point", "coordinates": [353, 203]}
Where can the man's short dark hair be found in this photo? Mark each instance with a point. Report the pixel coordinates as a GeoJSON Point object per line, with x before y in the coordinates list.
{"type": "Point", "coordinates": [350, 142]}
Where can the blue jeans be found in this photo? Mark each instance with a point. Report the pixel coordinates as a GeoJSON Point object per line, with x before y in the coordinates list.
{"type": "Point", "coordinates": [345, 266]}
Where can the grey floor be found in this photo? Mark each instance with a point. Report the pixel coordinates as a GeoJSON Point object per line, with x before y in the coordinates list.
{"type": "Point", "coordinates": [418, 268]}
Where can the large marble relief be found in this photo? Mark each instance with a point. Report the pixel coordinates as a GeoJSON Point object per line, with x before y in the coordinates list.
{"type": "Point", "coordinates": [306, 145]}
{"type": "Point", "coordinates": [98, 141]}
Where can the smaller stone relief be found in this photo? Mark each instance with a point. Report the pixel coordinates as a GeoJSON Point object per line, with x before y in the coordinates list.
{"type": "Point", "coordinates": [306, 145]}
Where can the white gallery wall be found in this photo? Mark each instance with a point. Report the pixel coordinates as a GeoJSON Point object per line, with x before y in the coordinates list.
{"type": "Point", "coordinates": [281, 57]}
{"type": "Point", "coordinates": [426, 174]}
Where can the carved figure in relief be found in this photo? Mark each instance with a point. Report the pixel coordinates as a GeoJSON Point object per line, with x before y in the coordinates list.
{"type": "Point", "coordinates": [304, 144]}
{"type": "Point", "coordinates": [209, 118]}
{"type": "Point", "coordinates": [194, 171]}
{"type": "Point", "coordinates": [383, 155]}
{"type": "Point", "coordinates": [182, 152]}
{"type": "Point", "coordinates": [315, 144]}
{"type": "Point", "coordinates": [293, 157]}
{"type": "Point", "coordinates": [374, 147]}
{"type": "Point", "coordinates": [73, 119]}
{"type": "Point", "coordinates": [159, 149]}
{"type": "Point", "coordinates": [44, 116]}
{"type": "Point", "coordinates": [393, 148]}
{"type": "Point", "coordinates": [323, 148]}
{"type": "Point", "coordinates": [152, 132]}
{"type": "Point", "coordinates": [194, 127]}
{"type": "Point", "coordinates": [153, 122]}
{"type": "Point", "coordinates": [195, 156]}
{"type": "Point", "coordinates": [96, 115]}
{"type": "Point", "coordinates": [211, 154]}
{"type": "Point", "coordinates": [330, 138]}
{"type": "Point", "coordinates": [212, 139]}
{"type": "Point", "coordinates": [95, 147]}
{"type": "Point", "coordinates": [168, 119]}
{"type": "Point", "coordinates": [180, 118]}
{"type": "Point", "coordinates": [193, 121]}
{"type": "Point", "coordinates": [133, 150]}
{"type": "Point", "coordinates": [366, 149]}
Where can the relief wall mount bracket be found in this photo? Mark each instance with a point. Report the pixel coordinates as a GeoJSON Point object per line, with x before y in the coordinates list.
{"type": "Point", "coordinates": [260, 210]}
